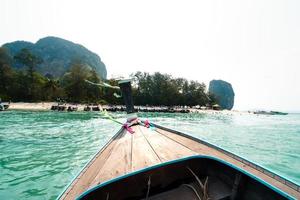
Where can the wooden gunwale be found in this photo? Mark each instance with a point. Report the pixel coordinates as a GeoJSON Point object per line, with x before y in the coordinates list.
{"type": "Point", "coordinates": [70, 186]}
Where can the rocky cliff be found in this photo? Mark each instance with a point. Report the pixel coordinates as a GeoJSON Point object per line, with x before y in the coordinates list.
{"type": "Point", "coordinates": [57, 55]}
{"type": "Point", "coordinates": [223, 92]}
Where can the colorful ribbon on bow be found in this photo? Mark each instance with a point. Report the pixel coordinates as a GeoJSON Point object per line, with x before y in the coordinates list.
{"type": "Point", "coordinates": [147, 124]}
{"type": "Point", "coordinates": [128, 128]}
{"type": "Point", "coordinates": [129, 122]}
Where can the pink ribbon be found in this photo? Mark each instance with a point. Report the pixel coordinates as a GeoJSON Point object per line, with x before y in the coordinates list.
{"type": "Point", "coordinates": [128, 128]}
{"type": "Point", "coordinates": [147, 123]}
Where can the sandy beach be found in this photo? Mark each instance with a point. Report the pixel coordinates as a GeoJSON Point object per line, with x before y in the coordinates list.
{"type": "Point", "coordinates": [46, 106]}
{"type": "Point", "coordinates": [42, 106]}
{"type": "Point", "coordinates": [30, 106]}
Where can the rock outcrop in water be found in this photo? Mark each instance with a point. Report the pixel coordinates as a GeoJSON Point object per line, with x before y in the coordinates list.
{"type": "Point", "coordinates": [223, 92]}
{"type": "Point", "coordinates": [57, 55]}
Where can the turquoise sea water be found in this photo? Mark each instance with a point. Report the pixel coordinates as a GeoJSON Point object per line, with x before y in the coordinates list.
{"type": "Point", "coordinates": [40, 152]}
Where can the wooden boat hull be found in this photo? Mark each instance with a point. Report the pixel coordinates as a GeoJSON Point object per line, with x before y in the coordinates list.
{"type": "Point", "coordinates": [127, 153]}
{"type": "Point", "coordinates": [172, 180]}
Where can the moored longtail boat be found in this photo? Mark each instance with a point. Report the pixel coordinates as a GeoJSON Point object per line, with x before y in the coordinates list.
{"type": "Point", "coordinates": [3, 106]}
{"type": "Point", "coordinates": [147, 161]}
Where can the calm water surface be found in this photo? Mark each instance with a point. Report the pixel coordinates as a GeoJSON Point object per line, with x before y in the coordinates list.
{"type": "Point", "coordinates": [40, 152]}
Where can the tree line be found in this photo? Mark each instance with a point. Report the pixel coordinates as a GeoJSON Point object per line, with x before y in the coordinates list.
{"type": "Point", "coordinates": [163, 89]}
{"type": "Point", "coordinates": [26, 84]}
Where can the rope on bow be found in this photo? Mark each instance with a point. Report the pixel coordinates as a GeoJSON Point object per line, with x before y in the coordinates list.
{"type": "Point", "coordinates": [128, 128]}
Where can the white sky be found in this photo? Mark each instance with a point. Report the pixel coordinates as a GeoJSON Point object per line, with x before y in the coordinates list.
{"type": "Point", "coordinates": [254, 45]}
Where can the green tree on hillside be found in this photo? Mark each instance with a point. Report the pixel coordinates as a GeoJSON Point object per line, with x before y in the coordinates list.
{"type": "Point", "coordinates": [74, 82]}
{"type": "Point", "coordinates": [94, 93]}
{"type": "Point", "coordinates": [52, 90]}
{"type": "Point", "coordinates": [6, 74]}
{"type": "Point", "coordinates": [34, 80]}
{"type": "Point", "coordinates": [76, 87]}
{"type": "Point", "coordinates": [30, 60]}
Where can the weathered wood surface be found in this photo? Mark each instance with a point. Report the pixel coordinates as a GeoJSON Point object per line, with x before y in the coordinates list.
{"type": "Point", "coordinates": [146, 147]}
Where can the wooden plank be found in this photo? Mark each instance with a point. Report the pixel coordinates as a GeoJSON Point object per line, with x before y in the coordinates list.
{"type": "Point", "coordinates": [188, 143]}
{"type": "Point", "coordinates": [143, 154]}
{"type": "Point", "coordinates": [165, 148]}
{"type": "Point", "coordinates": [82, 182]}
{"type": "Point", "coordinates": [118, 163]}
{"type": "Point", "coordinates": [206, 150]}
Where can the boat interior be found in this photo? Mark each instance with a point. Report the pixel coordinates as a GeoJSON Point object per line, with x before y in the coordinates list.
{"type": "Point", "coordinates": [196, 177]}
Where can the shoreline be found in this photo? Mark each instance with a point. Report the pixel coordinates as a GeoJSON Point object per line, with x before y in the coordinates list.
{"type": "Point", "coordinates": [46, 106]}
{"type": "Point", "coordinates": [41, 106]}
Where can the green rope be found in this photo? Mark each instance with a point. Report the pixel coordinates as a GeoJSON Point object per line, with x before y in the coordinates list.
{"type": "Point", "coordinates": [108, 116]}
{"type": "Point", "coordinates": [103, 84]}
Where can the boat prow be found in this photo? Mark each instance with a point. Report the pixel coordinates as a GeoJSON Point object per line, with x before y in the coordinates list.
{"type": "Point", "coordinates": [126, 153]}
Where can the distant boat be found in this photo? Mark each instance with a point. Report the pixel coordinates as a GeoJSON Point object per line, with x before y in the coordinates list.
{"type": "Point", "coordinates": [148, 161]}
{"type": "Point", "coordinates": [4, 106]}
{"type": "Point", "coordinates": [59, 107]}
{"type": "Point", "coordinates": [87, 108]}
{"type": "Point", "coordinates": [278, 113]}
{"type": "Point", "coordinates": [72, 108]}
{"type": "Point", "coordinates": [92, 107]}
{"type": "Point", "coordinates": [261, 112]}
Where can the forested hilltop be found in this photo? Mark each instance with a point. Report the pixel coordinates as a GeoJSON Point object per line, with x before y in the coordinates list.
{"type": "Point", "coordinates": [55, 56]}
{"type": "Point", "coordinates": [28, 85]}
